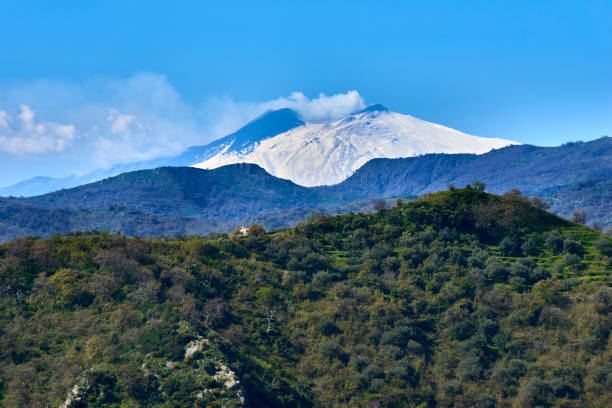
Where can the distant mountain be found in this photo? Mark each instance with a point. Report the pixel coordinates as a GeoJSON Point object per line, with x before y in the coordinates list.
{"type": "Point", "coordinates": [174, 200]}
{"type": "Point", "coordinates": [309, 154]}
{"type": "Point", "coordinates": [166, 200]}
{"type": "Point", "coordinates": [225, 193]}
{"type": "Point", "coordinates": [265, 126]}
{"type": "Point", "coordinates": [244, 140]}
{"type": "Point", "coordinates": [326, 153]}
{"type": "Point", "coordinates": [571, 177]}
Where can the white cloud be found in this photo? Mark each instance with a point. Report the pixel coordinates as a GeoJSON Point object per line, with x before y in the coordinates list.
{"type": "Point", "coordinates": [323, 107]}
{"type": "Point", "coordinates": [4, 119]}
{"type": "Point", "coordinates": [226, 115]}
{"type": "Point", "coordinates": [31, 137]}
{"type": "Point", "coordinates": [121, 122]}
{"type": "Point", "coordinates": [110, 120]}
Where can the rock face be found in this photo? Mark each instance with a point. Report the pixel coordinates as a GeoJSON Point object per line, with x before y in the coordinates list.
{"type": "Point", "coordinates": [203, 371]}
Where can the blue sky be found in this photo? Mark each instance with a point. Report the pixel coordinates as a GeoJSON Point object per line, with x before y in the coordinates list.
{"type": "Point", "coordinates": [111, 81]}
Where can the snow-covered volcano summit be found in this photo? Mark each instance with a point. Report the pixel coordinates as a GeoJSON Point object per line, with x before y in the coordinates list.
{"type": "Point", "coordinates": [313, 154]}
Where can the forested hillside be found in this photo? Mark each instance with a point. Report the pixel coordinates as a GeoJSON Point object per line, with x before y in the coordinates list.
{"type": "Point", "coordinates": [460, 298]}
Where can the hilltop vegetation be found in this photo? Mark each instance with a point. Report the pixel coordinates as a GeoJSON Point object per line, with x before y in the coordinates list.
{"type": "Point", "coordinates": [460, 298]}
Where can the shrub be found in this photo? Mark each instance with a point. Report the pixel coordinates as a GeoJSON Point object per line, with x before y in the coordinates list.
{"type": "Point", "coordinates": [359, 362]}
{"type": "Point", "coordinates": [530, 247]}
{"type": "Point", "coordinates": [330, 349]}
{"type": "Point", "coordinates": [486, 401]}
{"type": "Point", "coordinates": [397, 336]}
{"type": "Point", "coordinates": [604, 245]}
{"type": "Point", "coordinates": [470, 368]}
{"type": "Point", "coordinates": [373, 371]}
{"type": "Point", "coordinates": [327, 326]}
{"type": "Point", "coordinates": [603, 375]}
{"type": "Point", "coordinates": [510, 246]}
{"type": "Point", "coordinates": [452, 387]}
{"type": "Point", "coordinates": [572, 247]}
{"type": "Point", "coordinates": [402, 369]}
{"type": "Point", "coordinates": [571, 260]}
{"type": "Point", "coordinates": [495, 269]}
{"type": "Point", "coordinates": [553, 240]}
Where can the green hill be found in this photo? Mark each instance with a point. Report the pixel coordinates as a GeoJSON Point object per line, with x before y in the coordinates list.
{"type": "Point", "coordinates": [460, 298]}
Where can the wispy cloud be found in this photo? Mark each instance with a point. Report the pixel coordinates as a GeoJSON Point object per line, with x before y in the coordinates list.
{"type": "Point", "coordinates": [110, 120]}
{"type": "Point", "coordinates": [25, 135]}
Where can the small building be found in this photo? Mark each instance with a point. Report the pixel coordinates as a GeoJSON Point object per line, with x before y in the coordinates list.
{"type": "Point", "coordinates": [243, 231]}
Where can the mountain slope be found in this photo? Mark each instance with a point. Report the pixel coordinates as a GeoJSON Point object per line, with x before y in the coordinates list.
{"type": "Point", "coordinates": [166, 201]}
{"type": "Point", "coordinates": [327, 153]}
{"type": "Point", "coordinates": [547, 172]}
{"type": "Point", "coordinates": [459, 299]}
{"type": "Point", "coordinates": [225, 193]}
{"type": "Point", "coordinates": [264, 126]}
{"type": "Point", "coordinates": [19, 219]}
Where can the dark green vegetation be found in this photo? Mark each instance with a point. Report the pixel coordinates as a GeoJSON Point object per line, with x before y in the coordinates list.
{"type": "Point", "coordinates": [181, 200]}
{"type": "Point", "coordinates": [164, 201]}
{"type": "Point", "coordinates": [18, 219]}
{"type": "Point", "coordinates": [460, 298]}
{"type": "Point", "coordinates": [228, 192]}
{"type": "Point", "coordinates": [170, 201]}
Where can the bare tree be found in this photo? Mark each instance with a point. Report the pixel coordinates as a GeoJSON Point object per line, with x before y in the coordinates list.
{"type": "Point", "coordinates": [212, 312]}
{"type": "Point", "coordinates": [271, 314]}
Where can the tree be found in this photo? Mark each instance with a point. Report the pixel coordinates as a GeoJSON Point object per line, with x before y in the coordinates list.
{"type": "Point", "coordinates": [212, 312]}
{"type": "Point", "coordinates": [510, 246]}
{"type": "Point", "coordinates": [604, 245]}
{"type": "Point", "coordinates": [380, 204]}
{"type": "Point", "coordinates": [479, 185]}
{"type": "Point", "coordinates": [539, 203]}
{"type": "Point", "coordinates": [256, 230]}
{"type": "Point", "coordinates": [515, 194]}
{"type": "Point", "coordinates": [580, 217]}
{"type": "Point", "coordinates": [271, 312]}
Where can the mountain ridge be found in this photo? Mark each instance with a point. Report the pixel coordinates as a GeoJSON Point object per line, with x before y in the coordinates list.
{"type": "Point", "coordinates": [569, 178]}
{"type": "Point", "coordinates": [309, 158]}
